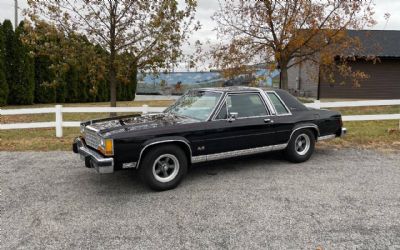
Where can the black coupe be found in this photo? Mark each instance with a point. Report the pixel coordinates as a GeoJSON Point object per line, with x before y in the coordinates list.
{"type": "Point", "coordinates": [203, 125]}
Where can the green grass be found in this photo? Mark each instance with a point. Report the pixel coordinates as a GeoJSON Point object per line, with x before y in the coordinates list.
{"type": "Point", "coordinates": [379, 135]}
{"type": "Point", "coordinates": [369, 110]}
{"type": "Point", "coordinates": [36, 139]}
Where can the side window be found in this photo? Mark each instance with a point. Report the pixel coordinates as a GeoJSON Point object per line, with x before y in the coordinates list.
{"type": "Point", "coordinates": [279, 106]}
{"type": "Point", "coordinates": [246, 105]}
{"type": "Point", "coordinates": [222, 113]}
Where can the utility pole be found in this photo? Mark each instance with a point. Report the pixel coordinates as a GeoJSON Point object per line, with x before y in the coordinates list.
{"type": "Point", "coordinates": [16, 13]}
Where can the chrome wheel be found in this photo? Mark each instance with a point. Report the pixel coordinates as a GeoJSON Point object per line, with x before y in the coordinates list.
{"type": "Point", "coordinates": [302, 144]}
{"type": "Point", "coordinates": [165, 168]}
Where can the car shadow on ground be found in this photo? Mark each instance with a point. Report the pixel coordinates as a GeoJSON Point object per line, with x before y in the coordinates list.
{"type": "Point", "coordinates": [128, 181]}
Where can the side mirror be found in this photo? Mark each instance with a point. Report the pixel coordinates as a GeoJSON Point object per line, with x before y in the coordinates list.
{"type": "Point", "coordinates": [232, 116]}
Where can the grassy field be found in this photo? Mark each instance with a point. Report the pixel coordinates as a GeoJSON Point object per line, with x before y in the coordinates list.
{"type": "Point", "coordinates": [381, 135]}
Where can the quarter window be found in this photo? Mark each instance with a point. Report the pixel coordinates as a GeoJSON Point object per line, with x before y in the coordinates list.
{"type": "Point", "coordinates": [279, 106]}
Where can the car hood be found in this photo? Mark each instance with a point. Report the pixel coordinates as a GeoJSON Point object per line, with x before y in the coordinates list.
{"type": "Point", "coordinates": [120, 124]}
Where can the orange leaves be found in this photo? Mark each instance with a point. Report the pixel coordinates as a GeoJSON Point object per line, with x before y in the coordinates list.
{"type": "Point", "coordinates": [288, 32]}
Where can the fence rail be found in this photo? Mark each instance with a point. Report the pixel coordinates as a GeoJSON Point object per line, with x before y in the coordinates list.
{"type": "Point", "coordinates": [58, 110]}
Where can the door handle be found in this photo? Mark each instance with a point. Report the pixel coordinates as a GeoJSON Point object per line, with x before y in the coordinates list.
{"type": "Point", "coordinates": [267, 120]}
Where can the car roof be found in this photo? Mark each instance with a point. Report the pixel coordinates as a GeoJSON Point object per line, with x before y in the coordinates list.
{"type": "Point", "coordinates": [235, 89]}
{"type": "Point", "coordinates": [291, 102]}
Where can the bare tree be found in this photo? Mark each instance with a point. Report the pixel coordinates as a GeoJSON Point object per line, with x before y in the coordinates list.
{"type": "Point", "coordinates": [138, 35]}
{"type": "Point", "coordinates": [285, 33]}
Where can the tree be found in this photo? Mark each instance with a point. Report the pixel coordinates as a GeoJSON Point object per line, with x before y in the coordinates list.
{"type": "Point", "coordinates": [45, 90]}
{"type": "Point", "coordinates": [9, 55]}
{"type": "Point", "coordinates": [137, 34]}
{"type": "Point", "coordinates": [3, 80]}
{"type": "Point", "coordinates": [19, 66]}
{"type": "Point", "coordinates": [285, 33]}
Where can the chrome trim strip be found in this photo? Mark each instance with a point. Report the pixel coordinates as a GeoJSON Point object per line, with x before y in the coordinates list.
{"type": "Point", "coordinates": [343, 132]}
{"type": "Point", "coordinates": [129, 165]}
{"type": "Point", "coordinates": [219, 107]}
{"type": "Point", "coordinates": [326, 137]}
{"type": "Point", "coordinates": [269, 102]}
{"type": "Point", "coordinates": [159, 142]}
{"type": "Point", "coordinates": [235, 153]}
{"type": "Point", "coordinates": [305, 126]}
{"type": "Point", "coordinates": [92, 128]}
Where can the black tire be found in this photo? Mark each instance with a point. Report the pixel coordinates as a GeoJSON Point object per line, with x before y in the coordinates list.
{"type": "Point", "coordinates": [156, 169]}
{"type": "Point", "coordinates": [297, 153]}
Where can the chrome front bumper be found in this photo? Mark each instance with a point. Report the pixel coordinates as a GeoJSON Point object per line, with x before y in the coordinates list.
{"type": "Point", "coordinates": [92, 158]}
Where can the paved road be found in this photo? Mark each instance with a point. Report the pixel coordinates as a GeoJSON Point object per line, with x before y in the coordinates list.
{"type": "Point", "coordinates": [338, 200]}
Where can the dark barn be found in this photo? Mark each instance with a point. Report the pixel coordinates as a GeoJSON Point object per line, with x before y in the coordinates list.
{"type": "Point", "coordinates": [384, 75]}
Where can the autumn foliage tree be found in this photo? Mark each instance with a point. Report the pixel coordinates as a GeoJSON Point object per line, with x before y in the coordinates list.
{"type": "Point", "coordinates": [137, 35]}
{"type": "Point", "coordinates": [282, 34]}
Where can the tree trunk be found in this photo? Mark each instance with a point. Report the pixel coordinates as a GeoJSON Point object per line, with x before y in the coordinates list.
{"type": "Point", "coordinates": [111, 67]}
{"type": "Point", "coordinates": [134, 79]}
{"type": "Point", "coordinates": [284, 78]}
{"type": "Point", "coordinates": [113, 86]}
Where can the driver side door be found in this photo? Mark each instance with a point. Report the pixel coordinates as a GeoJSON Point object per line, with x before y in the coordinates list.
{"type": "Point", "coordinates": [251, 129]}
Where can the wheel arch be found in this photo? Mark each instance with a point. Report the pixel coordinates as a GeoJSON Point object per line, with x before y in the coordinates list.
{"type": "Point", "coordinates": [313, 127]}
{"type": "Point", "coordinates": [181, 142]}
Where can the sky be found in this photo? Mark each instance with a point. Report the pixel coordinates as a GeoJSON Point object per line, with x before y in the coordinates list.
{"type": "Point", "coordinates": [206, 8]}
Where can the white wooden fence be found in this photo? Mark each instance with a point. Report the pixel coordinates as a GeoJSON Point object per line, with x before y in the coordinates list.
{"type": "Point", "coordinates": [59, 110]}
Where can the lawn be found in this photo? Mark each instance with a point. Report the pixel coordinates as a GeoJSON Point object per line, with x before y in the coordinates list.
{"type": "Point", "coordinates": [382, 135]}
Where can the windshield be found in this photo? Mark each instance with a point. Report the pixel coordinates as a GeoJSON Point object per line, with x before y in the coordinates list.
{"type": "Point", "coordinates": [195, 104]}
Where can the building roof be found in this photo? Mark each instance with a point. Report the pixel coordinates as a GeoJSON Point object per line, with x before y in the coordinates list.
{"type": "Point", "coordinates": [381, 43]}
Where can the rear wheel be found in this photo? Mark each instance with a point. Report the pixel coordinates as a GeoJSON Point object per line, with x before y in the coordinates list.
{"type": "Point", "coordinates": [163, 167]}
{"type": "Point", "coordinates": [301, 146]}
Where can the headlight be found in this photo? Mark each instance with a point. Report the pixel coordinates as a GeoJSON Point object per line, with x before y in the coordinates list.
{"type": "Point", "coordinates": [106, 146]}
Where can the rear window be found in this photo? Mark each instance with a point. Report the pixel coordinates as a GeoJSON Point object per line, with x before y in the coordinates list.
{"type": "Point", "coordinates": [278, 104]}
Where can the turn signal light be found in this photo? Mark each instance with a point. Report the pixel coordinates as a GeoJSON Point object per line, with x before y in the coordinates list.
{"type": "Point", "coordinates": [107, 147]}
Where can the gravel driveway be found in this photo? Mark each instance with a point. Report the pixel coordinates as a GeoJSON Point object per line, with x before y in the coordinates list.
{"type": "Point", "coordinates": [340, 199]}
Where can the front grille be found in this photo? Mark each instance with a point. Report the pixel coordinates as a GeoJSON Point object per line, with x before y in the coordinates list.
{"type": "Point", "coordinates": [92, 138]}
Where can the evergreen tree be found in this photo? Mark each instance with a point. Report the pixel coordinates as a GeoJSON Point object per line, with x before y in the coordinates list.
{"type": "Point", "coordinates": [26, 64]}
{"type": "Point", "coordinates": [19, 66]}
{"type": "Point", "coordinates": [9, 59]}
{"type": "Point", "coordinates": [3, 81]}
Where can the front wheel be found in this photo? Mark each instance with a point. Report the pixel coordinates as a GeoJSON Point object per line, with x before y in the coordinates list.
{"type": "Point", "coordinates": [301, 146]}
{"type": "Point", "coordinates": [163, 167]}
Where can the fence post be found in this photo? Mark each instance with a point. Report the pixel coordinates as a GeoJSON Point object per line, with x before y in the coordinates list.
{"type": "Point", "coordinates": [145, 108]}
{"type": "Point", "coordinates": [59, 120]}
{"type": "Point", "coordinates": [317, 104]}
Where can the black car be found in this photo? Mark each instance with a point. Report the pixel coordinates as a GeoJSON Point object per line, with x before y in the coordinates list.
{"type": "Point", "coordinates": [203, 125]}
